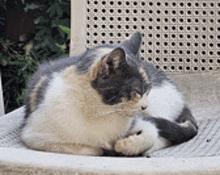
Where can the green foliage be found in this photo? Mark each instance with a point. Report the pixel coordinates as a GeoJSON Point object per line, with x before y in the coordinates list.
{"type": "Point", "coordinates": [51, 41]}
{"type": "Point", "coordinates": [15, 77]}
{"type": "Point", "coordinates": [66, 30]}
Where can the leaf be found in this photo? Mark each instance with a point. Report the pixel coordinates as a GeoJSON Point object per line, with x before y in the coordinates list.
{"type": "Point", "coordinates": [66, 30]}
{"type": "Point", "coordinates": [9, 82]}
{"type": "Point", "coordinates": [41, 33]}
{"type": "Point", "coordinates": [62, 47]}
{"type": "Point", "coordinates": [52, 10]}
{"type": "Point", "coordinates": [31, 6]}
{"type": "Point", "coordinates": [59, 11]}
{"type": "Point", "coordinates": [21, 97]}
{"type": "Point", "coordinates": [55, 9]}
{"type": "Point", "coordinates": [52, 45]}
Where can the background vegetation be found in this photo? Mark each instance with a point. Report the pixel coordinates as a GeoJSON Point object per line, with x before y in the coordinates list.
{"type": "Point", "coordinates": [19, 56]}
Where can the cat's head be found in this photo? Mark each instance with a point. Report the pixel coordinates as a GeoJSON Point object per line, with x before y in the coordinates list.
{"type": "Point", "coordinates": [118, 75]}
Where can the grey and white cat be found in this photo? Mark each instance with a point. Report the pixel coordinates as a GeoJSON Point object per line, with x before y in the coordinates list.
{"type": "Point", "coordinates": [104, 100]}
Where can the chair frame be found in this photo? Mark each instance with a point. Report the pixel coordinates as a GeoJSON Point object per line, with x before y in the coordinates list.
{"type": "Point", "coordinates": [20, 161]}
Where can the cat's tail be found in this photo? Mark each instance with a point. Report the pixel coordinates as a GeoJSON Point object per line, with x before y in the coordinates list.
{"type": "Point", "coordinates": [179, 131]}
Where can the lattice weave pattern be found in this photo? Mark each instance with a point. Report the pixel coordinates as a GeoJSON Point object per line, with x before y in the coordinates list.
{"type": "Point", "coordinates": [179, 36]}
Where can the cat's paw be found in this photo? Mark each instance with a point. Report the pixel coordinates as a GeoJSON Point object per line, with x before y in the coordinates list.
{"type": "Point", "coordinates": [133, 145]}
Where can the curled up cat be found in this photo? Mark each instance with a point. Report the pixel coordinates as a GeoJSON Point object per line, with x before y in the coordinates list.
{"type": "Point", "coordinates": [105, 100]}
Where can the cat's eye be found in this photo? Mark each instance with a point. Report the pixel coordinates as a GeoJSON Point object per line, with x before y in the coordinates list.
{"type": "Point", "coordinates": [138, 91]}
{"type": "Point", "coordinates": [135, 96]}
{"type": "Point", "coordinates": [135, 93]}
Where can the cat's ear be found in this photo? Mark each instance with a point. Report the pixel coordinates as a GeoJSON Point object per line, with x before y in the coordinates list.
{"type": "Point", "coordinates": [115, 59]}
{"type": "Point", "coordinates": [110, 63]}
{"type": "Point", "coordinates": [133, 43]}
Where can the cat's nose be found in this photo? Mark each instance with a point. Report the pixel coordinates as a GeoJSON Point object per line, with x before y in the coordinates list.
{"type": "Point", "coordinates": [143, 107]}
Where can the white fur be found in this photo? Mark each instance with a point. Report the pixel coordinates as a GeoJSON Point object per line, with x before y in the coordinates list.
{"type": "Point", "coordinates": [165, 101]}
{"type": "Point", "coordinates": [138, 143]}
{"type": "Point", "coordinates": [73, 119]}
{"type": "Point", "coordinates": [144, 126]}
{"type": "Point", "coordinates": [55, 87]}
{"type": "Point", "coordinates": [147, 142]}
{"type": "Point", "coordinates": [159, 143]}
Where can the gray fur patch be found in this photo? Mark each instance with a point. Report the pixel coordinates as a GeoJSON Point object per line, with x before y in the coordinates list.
{"type": "Point", "coordinates": [88, 58]}
{"type": "Point", "coordinates": [186, 115]}
{"type": "Point", "coordinates": [46, 69]}
{"type": "Point", "coordinates": [156, 77]}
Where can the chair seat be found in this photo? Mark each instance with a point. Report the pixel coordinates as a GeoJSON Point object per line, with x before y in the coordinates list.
{"type": "Point", "coordinates": [201, 154]}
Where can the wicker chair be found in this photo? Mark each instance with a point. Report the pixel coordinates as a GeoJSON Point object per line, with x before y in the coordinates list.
{"type": "Point", "coordinates": [181, 37]}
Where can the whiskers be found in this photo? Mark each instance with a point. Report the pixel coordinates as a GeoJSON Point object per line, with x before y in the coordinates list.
{"type": "Point", "coordinates": [110, 112]}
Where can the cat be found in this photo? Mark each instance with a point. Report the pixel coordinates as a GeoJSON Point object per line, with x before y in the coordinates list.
{"type": "Point", "coordinates": [106, 100]}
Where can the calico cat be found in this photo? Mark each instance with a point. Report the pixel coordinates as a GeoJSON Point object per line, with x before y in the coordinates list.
{"type": "Point", "coordinates": [104, 100]}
